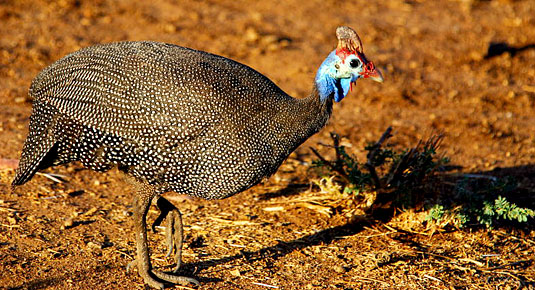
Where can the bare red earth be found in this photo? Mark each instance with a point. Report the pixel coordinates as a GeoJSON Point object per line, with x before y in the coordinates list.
{"type": "Point", "coordinates": [466, 68]}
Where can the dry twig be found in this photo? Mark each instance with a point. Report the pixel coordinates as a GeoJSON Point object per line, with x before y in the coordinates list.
{"type": "Point", "coordinates": [371, 155]}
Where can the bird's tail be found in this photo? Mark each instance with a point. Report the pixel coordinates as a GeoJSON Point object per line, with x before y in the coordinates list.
{"type": "Point", "coordinates": [38, 144]}
{"type": "Point", "coordinates": [30, 162]}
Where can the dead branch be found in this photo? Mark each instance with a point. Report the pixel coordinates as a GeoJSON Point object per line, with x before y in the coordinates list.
{"type": "Point", "coordinates": [371, 155]}
{"type": "Point", "coordinates": [336, 166]}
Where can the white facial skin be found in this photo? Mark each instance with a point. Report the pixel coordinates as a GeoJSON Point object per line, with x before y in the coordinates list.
{"type": "Point", "coordinates": [350, 68]}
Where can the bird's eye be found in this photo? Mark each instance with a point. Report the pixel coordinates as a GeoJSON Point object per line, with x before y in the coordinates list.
{"type": "Point", "coordinates": [354, 63]}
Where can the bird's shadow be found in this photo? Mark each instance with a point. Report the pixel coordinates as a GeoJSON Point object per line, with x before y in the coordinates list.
{"type": "Point", "coordinates": [282, 248]}
{"type": "Point", "coordinates": [499, 48]}
{"type": "Point", "coordinates": [525, 175]}
{"type": "Point", "coordinates": [40, 283]}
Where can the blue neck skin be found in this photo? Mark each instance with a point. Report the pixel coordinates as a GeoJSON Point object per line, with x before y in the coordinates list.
{"type": "Point", "coordinates": [327, 84]}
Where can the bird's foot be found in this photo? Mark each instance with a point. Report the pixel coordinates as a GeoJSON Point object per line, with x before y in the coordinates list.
{"type": "Point", "coordinates": [151, 277]}
{"type": "Point", "coordinates": [181, 280]}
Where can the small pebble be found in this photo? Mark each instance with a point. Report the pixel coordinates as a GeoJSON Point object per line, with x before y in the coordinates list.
{"type": "Point", "coordinates": [11, 220]}
{"type": "Point", "coordinates": [235, 272]}
{"type": "Point", "coordinates": [251, 35]}
{"type": "Point", "coordinates": [93, 245]}
{"type": "Point", "coordinates": [91, 211]}
{"type": "Point", "coordinates": [68, 223]}
{"type": "Point", "coordinates": [339, 269]}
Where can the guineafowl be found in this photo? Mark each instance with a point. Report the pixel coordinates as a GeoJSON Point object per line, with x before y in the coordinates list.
{"type": "Point", "coordinates": [177, 119]}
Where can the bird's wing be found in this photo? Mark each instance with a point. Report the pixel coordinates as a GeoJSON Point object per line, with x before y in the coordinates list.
{"type": "Point", "coordinates": [129, 91]}
{"type": "Point", "coordinates": [142, 89]}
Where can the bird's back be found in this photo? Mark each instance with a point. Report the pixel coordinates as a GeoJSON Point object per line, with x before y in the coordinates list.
{"type": "Point", "coordinates": [127, 88]}
{"type": "Point", "coordinates": [182, 119]}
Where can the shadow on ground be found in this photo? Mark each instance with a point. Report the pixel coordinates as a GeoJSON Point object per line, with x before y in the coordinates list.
{"type": "Point", "coordinates": [282, 248]}
{"type": "Point", "coordinates": [499, 48]}
{"type": "Point", "coordinates": [522, 195]}
{"type": "Point", "coordinates": [43, 283]}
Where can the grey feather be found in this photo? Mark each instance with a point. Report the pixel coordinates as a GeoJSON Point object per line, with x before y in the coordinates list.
{"type": "Point", "coordinates": [175, 118]}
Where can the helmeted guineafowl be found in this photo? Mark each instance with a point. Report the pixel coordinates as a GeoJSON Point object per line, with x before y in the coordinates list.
{"type": "Point", "coordinates": [177, 119]}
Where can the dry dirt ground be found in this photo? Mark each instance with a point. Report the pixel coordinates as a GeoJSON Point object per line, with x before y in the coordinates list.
{"type": "Point", "coordinates": [464, 67]}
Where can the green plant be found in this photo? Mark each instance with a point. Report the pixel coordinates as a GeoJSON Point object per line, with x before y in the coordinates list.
{"type": "Point", "coordinates": [401, 178]}
{"type": "Point", "coordinates": [386, 170]}
{"type": "Point", "coordinates": [502, 208]}
{"type": "Point", "coordinates": [345, 168]}
{"type": "Point", "coordinates": [481, 200]}
{"type": "Point", "coordinates": [436, 213]}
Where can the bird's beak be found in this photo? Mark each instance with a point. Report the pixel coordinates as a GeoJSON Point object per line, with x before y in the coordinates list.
{"type": "Point", "coordinates": [376, 75]}
{"type": "Point", "coordinates": [371, 72]}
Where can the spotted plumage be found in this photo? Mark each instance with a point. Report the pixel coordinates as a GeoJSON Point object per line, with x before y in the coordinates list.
{"type": "Point", "coordinates": [173, 119]}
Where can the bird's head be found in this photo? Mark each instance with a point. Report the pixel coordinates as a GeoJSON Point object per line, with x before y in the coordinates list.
{"type": "Point", "coordinates": [344, 66]}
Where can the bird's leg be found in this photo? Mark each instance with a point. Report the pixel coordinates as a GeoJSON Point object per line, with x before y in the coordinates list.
{"type": "Point", "coordinates": [173, 230]}
{"type": "Point", "coordinates": [141, 207]}
{"type": "Point", "coordinates": [174, 238]}
{"type": "Point", "coordinates": [142, 261]}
